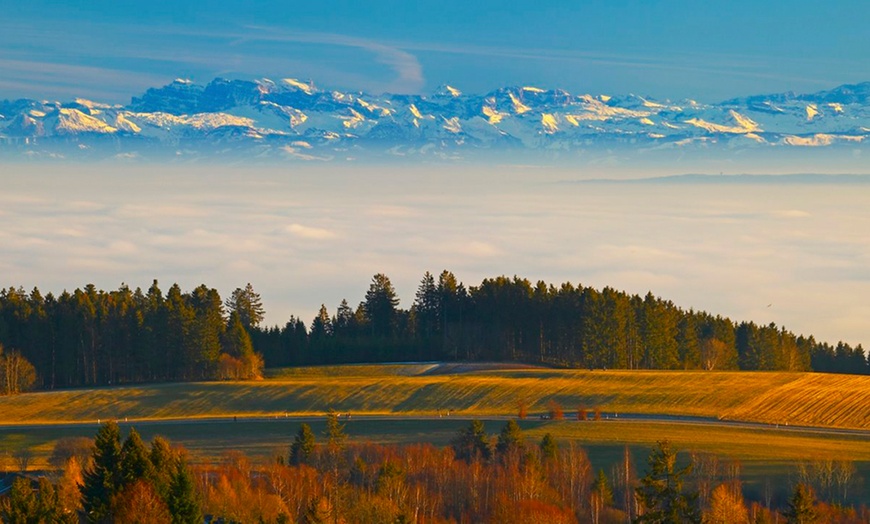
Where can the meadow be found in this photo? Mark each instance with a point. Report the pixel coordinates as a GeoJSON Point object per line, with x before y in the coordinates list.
{"type": "Point", "coordinates": [804, 399]}
{"type": "Point", "coordinates": [408, 403]}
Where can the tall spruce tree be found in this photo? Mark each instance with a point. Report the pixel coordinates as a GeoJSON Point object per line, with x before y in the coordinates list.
{"type": "Point", "coordinates": [380, 306]}
{"type": "Point", "coordinates": [135, 462]}
{"type": "Point", "coordinates": [303, 446]}
{"type": "Point", "coordinates": [661, 490]}
{"type": "Point", "coordinates": [103, 479]}
{"type": "Point", "coordinates": [248, 305]}
{"type": "Point", "coordinates": [183, 502]}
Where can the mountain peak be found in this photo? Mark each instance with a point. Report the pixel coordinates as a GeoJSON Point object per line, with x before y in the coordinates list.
{"type": "Point", "coordinates": [267, 117]}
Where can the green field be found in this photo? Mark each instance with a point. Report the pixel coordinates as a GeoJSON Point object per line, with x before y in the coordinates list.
{"type": "Point", "coordinates": [810, 399]}
{"type": "Point", "coordinates": [408, 404]}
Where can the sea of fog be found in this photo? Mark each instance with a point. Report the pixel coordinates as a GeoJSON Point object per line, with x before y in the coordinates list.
{"type": "Point", "coordinates": [797, 254]}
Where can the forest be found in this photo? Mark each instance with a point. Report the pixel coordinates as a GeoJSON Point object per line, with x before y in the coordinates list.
{"type": "Point", "coordinates": [480, 477]}
{"type": "Point", "coordinates": [93, 337]}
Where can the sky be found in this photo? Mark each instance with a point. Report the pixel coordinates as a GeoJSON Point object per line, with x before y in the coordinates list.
{"type": "Point", "coordinates": [794, 254]}
{"type": "Point", "coordinates": [709, 51]}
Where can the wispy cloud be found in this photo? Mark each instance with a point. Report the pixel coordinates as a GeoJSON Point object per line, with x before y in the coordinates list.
{"type": "Point", "coordinates": [315, 233]}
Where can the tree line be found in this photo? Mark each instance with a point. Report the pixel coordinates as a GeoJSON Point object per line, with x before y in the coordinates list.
{"type": "Point", "coordinates": [94, 337]}
{"type": "Point", "coordinates": [478, 478]}
{"type": "Point", "coordinates": [513, 319]}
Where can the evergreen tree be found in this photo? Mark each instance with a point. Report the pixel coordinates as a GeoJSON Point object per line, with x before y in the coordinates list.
{"type": "Point", "coordinates": [426, 305]}
{"type": "Point", "coordinates": [21, 505]}
{"type": "Point", "coordinates": [237, 341]}
{"type": "Point", "coordinates": [335, 435]}
{"type": "Point", "coordinates": [103, 479]}
{"type": "Point", "coordinates": [303, 445]}
{"type": "Point", "coordinates": [472, 443]}
{"type": "Point", "coordinates": [510, 440]}
{"type": "Point", "coordinates": [549, 447]}
{"type": "Point", "coordinates": [248, 305]}
{"type": "Point", "coordinates": [321, 326]}
{"type": "Point", "coordinates": [601, 487]}
{"type": "Point", "coordinates": [183, 503]}
{"type": "Point", "coordinates": [801, 506]}
{"type": "Point", "coordinates": [661, 490]}
{"type": "Point", "coordinates": [135, 462]}
{"type": "Point", "coordinates": [380, 306]}
{"type": "Point", "coordinates": [163, 466]}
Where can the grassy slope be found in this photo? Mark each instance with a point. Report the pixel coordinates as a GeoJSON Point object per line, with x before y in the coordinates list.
{"type": "Point", "coordinates": [794, 398]}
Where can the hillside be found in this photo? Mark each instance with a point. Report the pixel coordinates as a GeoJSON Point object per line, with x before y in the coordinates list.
{"type": "Point", "coordinates": [811, 399]}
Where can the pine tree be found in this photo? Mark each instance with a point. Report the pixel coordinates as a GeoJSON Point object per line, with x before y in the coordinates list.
{"type": "Point", "coordinates": [183, 503]}
{"type": "Point", "coordinates": [103, 478]}
{"type": "Point", "coordinates": [335, 434]}
{"type": "Point", "coordinates": [380, 306]}
{"type": "Point", "coordinates": [248, 305]}
{"type": "Point", "coordinates": [602, 488]}
{"type": "Point", "coordinates": [303, 446]}
{"type": "Point", "coordinates": [163, 463]}
{"type": "Point", "coordinates": [135, 462]}
{"type": "Point", "coordinates": [549, 447]}
{"type": "Point", "coordinates": [21, 505]}
{"type": "Point", "coordinates": [661, 490]}
{"type": "Point", "coordinates": [801, 508]}
{"type": "Point", "coordinates": [510, 439]}
{"type": "Point", "coordinates": [472, 443]}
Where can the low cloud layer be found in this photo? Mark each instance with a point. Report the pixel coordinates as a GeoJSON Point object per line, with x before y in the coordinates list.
{"type": "Point", "coordinates": [796, 255]}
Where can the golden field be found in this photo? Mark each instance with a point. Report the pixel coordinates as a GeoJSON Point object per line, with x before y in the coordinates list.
{"type": "Point", "coordinates": [811, 399]}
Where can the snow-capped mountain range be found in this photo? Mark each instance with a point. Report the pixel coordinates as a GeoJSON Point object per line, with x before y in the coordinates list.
{"type": "Point", "coordinates": [293, 119]}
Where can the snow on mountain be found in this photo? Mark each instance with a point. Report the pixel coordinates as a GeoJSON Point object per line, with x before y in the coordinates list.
{"type": "Point", "coordinates": [293, 118]}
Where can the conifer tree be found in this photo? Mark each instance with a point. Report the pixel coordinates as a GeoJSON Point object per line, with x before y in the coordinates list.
{"type": "Point", "coordinates": [183, 503]}
{"type": "Point", "coordinates": [801, 508]}
{"type": "Point", "coordinates": [303, 446]}
{"type": "Point", "coordinates": [472, 443]}
{"type": "Point", "coordinates": [135, 462]}
{"type": "Point", "coordinates": [163, 463]}
{"type": "Point", "coordinates": [335, 434]}
{"type": "Point", "coordinates": [510, 439]}
{"type": "Point", "coordinates": [549, 447]}
{"type": "Point", "coordinates": [21, 503]}
{"type": "Point", "coordinates": [602, 488]}
{"type": "Point", "coordinates": [103, 478]}
{"type": "Point", "coordinates": [248, 305]}
{"type": "Point", "coordinates": [661, 490]}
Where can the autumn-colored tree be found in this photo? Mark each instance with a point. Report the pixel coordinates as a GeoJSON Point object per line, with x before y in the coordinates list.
{"type": "Point", "coordinates": [138, 503]}
{"type": "Point", "coordinates": [726, 507]}
{"type": "Point", "coordinates": [17, 374]}
{"type": "Point", "coordinates": [522, 409]}
{"type": "Point", "coordinates": [554, 410]}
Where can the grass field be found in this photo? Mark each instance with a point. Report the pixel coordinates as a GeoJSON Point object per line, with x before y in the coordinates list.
{"type": "Point", "coordinates": [425, 389]}
{"type": "Point", "coordinates": [766, 456]}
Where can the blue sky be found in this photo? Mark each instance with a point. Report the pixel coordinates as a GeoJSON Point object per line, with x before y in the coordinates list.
{"type": "Point", "coordinates": [111, 50]}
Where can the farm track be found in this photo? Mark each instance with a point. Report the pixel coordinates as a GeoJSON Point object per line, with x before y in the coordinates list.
{"type": "Point", "coordinates": [606, 418]}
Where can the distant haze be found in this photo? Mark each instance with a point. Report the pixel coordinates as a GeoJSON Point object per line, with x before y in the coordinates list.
{"type": "Point", "coordinates": [797, 254]}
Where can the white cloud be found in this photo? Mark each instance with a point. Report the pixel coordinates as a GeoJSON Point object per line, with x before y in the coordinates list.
{"type": "Point", "coordinates": [315, 233]}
